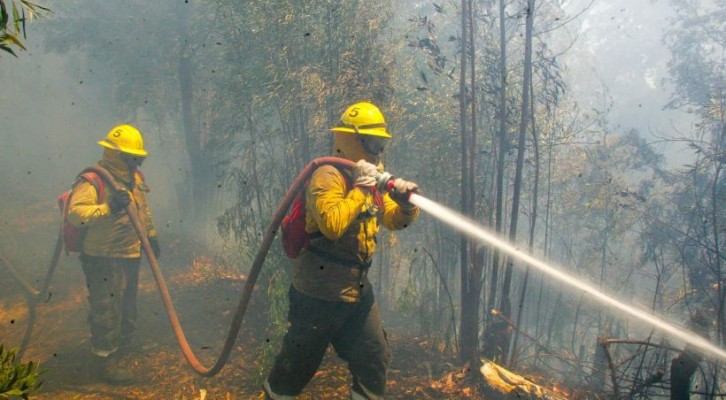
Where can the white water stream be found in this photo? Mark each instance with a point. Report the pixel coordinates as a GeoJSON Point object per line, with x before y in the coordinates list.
{"type": "Point", "coordinates": [464, 225]}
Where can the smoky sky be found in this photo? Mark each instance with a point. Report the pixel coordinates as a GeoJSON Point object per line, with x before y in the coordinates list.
{"type": "Point", "coordinates": [619, 63]}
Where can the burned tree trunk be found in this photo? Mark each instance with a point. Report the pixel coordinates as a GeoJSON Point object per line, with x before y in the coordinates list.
{"type": "Point", "coordinates": [682, 369]}
{"type": "Point", "coordinates": [685, 365]}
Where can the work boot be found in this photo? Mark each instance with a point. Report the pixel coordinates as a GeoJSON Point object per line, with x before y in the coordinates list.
{"type": "Point", "coordinates": [131, 345]}
{"type": "Point", "coordinates": [113, 370]}
{"type": "Point", "coordinates": [117, 373]}
{"type": "Point", "coordinates": [270, 395]}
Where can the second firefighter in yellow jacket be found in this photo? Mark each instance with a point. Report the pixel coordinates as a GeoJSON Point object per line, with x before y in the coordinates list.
{"type": "Point", "coordinates": [111, 250]}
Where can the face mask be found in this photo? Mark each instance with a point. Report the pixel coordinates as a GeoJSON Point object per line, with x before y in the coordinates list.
{"type": "Point", "coordinates": [132, 161]}
{"type": "Point", "coordinates": [372, 144]}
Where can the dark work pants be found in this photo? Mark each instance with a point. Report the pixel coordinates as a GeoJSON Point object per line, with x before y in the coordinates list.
{"type": "Point", "coordinates": [112, 286]}
{"type": "Point", "coordinates": [354, 330]}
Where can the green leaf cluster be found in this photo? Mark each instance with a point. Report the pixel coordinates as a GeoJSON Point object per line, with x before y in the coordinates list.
{"type": "Point", "coordinates": [22, 11]}
{"type": "Point", "coordinates": [17, 379]}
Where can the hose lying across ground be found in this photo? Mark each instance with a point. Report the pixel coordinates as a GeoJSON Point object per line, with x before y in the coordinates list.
{"type": "Point", "coordinates": [33, 295]}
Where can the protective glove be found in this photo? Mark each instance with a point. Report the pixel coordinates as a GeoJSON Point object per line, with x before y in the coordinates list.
{"type": "Point", "coordinates": [364, 174]}
{"type": "Point", "coordinates": [120, 199]}
{"type": "Point", "coordinates": [154, 242]}
{"type": "Point", "coordinates": [401, 191]}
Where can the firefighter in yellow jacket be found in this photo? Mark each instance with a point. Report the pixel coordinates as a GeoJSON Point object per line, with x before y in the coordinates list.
{"type": "Point", "coordinates": [111, 251]}
{"type": "Point", "coordinates": [331, 298]}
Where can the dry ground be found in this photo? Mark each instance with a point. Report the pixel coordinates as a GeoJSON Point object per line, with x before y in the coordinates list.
{"type": "Point", "coordinates": [60, 340]}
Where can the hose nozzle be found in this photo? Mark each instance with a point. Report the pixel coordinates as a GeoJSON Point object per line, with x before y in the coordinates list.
{"type": "Point", "coordinates": [384, 181]}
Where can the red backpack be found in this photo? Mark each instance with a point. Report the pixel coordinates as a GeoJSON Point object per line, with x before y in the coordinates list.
{"type": "Point", "coordinates": [292, 227]}
{"type": "Point", "coordinates": [294, 236]}
{"type": "Point", "coordinates": [72, 235]}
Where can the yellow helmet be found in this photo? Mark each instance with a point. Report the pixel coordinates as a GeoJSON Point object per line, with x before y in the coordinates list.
{"type": "Point", "coordinates": [125, 138]}
{"type": "Point", "coordinates": [363, 118]}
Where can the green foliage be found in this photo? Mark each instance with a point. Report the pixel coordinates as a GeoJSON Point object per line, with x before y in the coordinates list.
{"type": "Point", "coordinates": [423, 304]}
{"type": "Point", "coordinates": [278, 284]}
{"type": "Point", "coordinates": [302, 65]}
{"type": "Point", "coordinates": [17, 379]}
{"type": "Point", "coordinates": [10, 30]}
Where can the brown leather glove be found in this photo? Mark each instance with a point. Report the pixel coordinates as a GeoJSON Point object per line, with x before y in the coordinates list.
{"type": "Point", "coordinates": [119, 201]}
{"type": "Point", "coordinates": [401, 191]}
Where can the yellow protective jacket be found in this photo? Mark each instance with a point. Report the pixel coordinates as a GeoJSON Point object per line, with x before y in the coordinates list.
{"type": "Point", "coordinates": [343, 222]}
{"type": "Point", "coordinates": [111, 235]}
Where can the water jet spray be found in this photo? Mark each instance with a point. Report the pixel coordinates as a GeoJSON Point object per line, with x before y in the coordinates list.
{"type": "Point", "coordinates": [466, 226]}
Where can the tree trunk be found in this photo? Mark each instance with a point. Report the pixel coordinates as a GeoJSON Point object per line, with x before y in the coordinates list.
{"type": "Point", "coordinates": [532, 225]}
{"type": "Point", "coordinates": [469, 319]}
{"type": "Point", "coordinates": [685, 365]}
{"type": "Point", "coordinates": [506, 308]}
{"type": "Point", "coordinates": [496, 328]}
{"type": "Point", "coordinates": [717, 227]}
{"type": "Point", "coordinates": [599, 368]}
{"type": "Point", "coordinates": [199, 167]}
{"type": "Point", "coordinates": [682, 369]}
{"type": "Point", "coordinates": [475, 259]}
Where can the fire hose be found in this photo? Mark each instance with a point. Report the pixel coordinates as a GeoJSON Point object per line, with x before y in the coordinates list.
{"type": "Point", "coordinates": [197, 366]}
{"type": "Point", "coordinates": [33, 295]}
